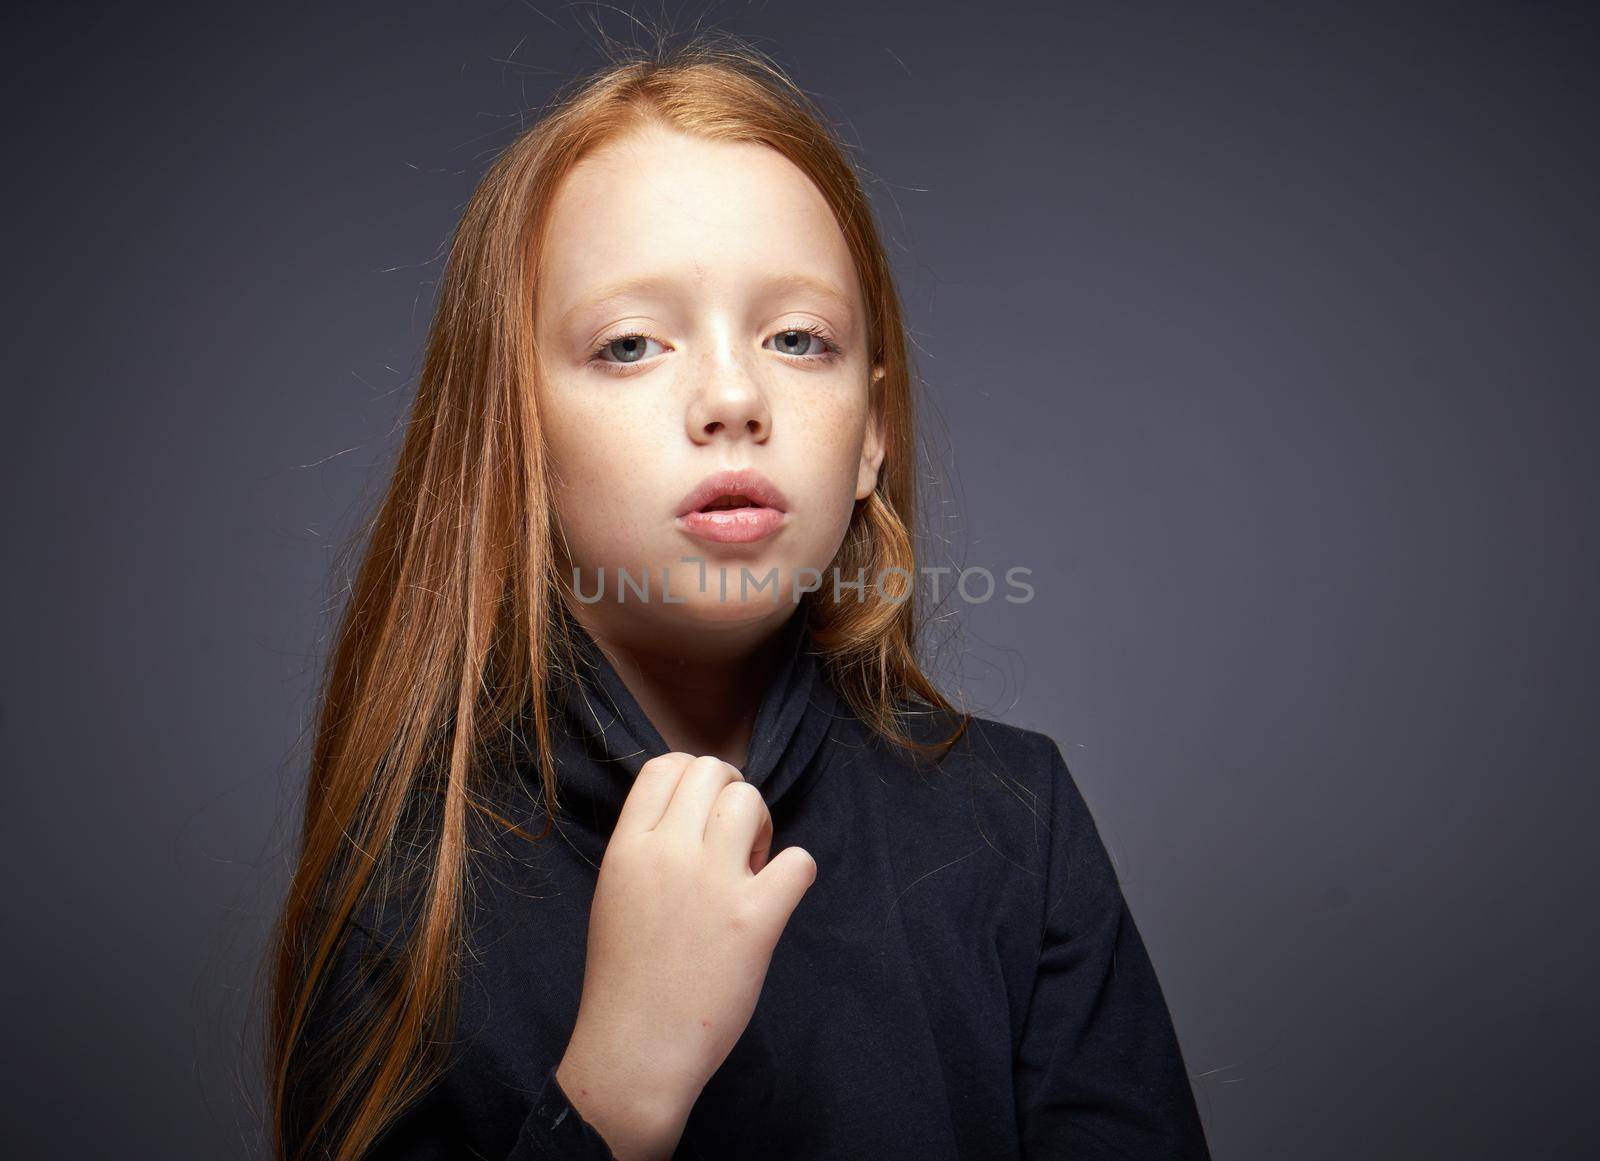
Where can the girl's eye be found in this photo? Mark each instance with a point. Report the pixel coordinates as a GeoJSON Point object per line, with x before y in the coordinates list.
{"type": "Point", "coordinates": [806, 344]}
{"type": "Point", "coordinates": [629, 348]}
{"type": "Point", "coordinates": [811, 344]}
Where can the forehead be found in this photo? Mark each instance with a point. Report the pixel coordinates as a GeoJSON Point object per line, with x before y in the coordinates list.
{"type": "Point", "coordinates": [659, 201]}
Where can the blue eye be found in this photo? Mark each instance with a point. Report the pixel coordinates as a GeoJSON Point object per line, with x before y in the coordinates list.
{"type": "Point", "coordinates": [813, 343]}
{"type": "Point", "coordinates": [802, 344]}
{"type": "Point", "coordinates": [629, 348]}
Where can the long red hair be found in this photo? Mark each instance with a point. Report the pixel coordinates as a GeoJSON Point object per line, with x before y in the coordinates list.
{"type": "Point", "coordinates": [452, 627]}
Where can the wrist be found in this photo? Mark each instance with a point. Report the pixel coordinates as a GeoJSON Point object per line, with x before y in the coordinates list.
{"type": "Point", "coordinates": [640, 1115]}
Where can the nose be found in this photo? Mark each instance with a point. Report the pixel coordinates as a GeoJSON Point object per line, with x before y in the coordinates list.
{"type": "Point", "coordinates": [730, 404]}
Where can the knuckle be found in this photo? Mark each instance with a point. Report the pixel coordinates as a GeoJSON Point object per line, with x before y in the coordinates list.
{"type": "Point", "coordinates": [670, 762]}
{"type": "Point", "coordinates": [737, 799]}
{"type": "Point", "coordinates": [712, 766]}
{"type": "Point", "coordinates": [707, 768]}
{"type": "Point", "coordinates": [744, 792]}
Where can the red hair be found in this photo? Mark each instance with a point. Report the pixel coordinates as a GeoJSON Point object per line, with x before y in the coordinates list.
{"type": "Point", "coordinates": [452, 629]}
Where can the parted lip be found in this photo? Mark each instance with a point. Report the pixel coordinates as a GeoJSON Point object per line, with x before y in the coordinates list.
{"type": "Point", "coordinates": [745, 482]}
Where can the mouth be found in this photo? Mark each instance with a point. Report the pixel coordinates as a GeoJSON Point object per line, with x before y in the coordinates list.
{"type": "Point", "coordinates": [733, 507]}
{"type": "Point", "coordinates": [732, 490]}
{"type": "Point", "coordinates": [728, 502]}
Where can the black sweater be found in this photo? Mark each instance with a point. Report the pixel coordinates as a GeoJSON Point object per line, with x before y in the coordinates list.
{"type": "Point", "coordinates": [963, 980]}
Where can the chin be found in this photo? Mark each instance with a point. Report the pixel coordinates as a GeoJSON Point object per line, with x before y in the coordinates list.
{"type": "Point", "coordinates": [705, 609]}
{"type": "Point", "coordinates": [715, 596]}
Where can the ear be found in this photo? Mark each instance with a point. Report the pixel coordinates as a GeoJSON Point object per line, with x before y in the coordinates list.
{"type": "Point", "coordinates": [872, 445]}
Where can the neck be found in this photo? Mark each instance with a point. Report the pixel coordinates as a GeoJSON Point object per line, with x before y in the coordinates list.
{"type": "Point", "coordinates": [700, 685]}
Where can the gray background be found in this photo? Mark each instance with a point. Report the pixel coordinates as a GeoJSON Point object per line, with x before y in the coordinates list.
{"type": "Point", "coordinates": [1263, 333]}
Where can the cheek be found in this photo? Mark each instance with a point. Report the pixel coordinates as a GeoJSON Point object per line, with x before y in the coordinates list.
{"type": "Point", "coordinates": [832, 437]}
{"type": "Point", "coordinates": [600, 461]}
{"type": "Point", "coordinates": [832, 441]}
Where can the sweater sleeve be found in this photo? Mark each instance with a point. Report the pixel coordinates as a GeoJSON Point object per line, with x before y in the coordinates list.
{"type": "Point", "coordinates": [1098, 1072]}
{"type": "Point", "coordinates": [435, 1126]}
{"type": "Point", "coordinates": [432, 1130]}
{"type": "Point", "coordinates": [554, 1129]}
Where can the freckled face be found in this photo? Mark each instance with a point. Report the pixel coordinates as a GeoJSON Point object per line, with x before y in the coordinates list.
{"type": "Point", "coordinates": [696, 310]}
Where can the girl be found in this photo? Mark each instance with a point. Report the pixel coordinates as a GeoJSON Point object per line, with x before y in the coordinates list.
{"type": "Point", "coordinates": [633, 828]}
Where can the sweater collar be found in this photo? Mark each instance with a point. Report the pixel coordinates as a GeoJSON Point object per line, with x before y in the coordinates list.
{"type": "Point", "coordinates": [609, 737]}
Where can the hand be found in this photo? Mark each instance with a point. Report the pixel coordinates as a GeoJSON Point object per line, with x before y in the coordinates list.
{"type": "Point", "coordinates": [686, 913]}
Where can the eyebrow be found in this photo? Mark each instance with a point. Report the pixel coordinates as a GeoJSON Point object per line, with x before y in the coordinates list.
{"type": "Point", "coordinates": [647, 284]}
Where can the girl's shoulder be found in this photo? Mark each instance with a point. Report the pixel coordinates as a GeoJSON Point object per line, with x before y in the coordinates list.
{"type": "Point", "coordinates": [1017, 776]}
{"type": "Point", "coordinates": [959, 742]}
